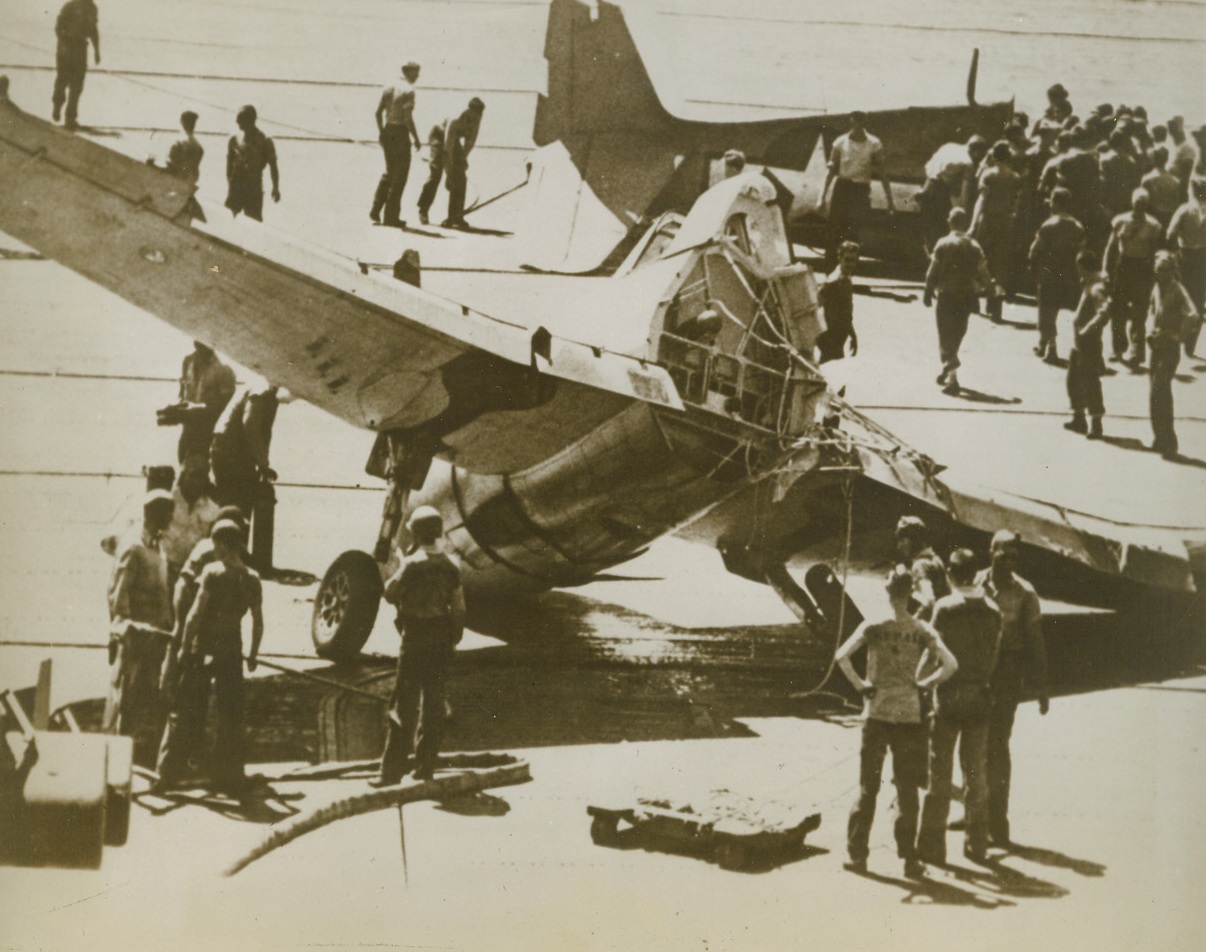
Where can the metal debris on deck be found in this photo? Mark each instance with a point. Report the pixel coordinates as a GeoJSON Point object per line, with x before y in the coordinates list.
{"type": "Point", "coordinates": [734, 830]}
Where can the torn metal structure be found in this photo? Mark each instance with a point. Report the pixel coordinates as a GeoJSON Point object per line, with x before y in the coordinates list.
{"type": "Point", "coordinates": [673, 398]}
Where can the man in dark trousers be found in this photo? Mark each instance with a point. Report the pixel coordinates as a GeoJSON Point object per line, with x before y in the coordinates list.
{"type": "Point", "coordinates": [1172, 314]}
{"type": "Point", "coordinates": [239, 450]}
{"type": "Point", "coordinates": [246, 157]}
{"type": "Point", "coordinates": [184, 592]}
{"type": "Point", "coordinates": [460, 135]}
{"type": "Point", "coordinates": [213, 651]}
{"type": "Point", "coordinates": [1086, 361]}
{"type": "Point", "coordinates": [74, 29]}
{"type": "Point", "coordinates": [1053, 260]}
{"type": "Point", "coordinates": [1022, 662]}
{"type": "Point", "coordinates": [970, 625]}
{"type": "Point", "coordinates": [1187, 234]}
{"type": "Point", "coordinates": [206, 386]}
{"type": "Point", "coordinates": [892, 690]}
{"type": "Point", "coordinates": [993, 218]}
{"type": "Point", "coordinates": [435, 170]}
{"type": "Point", "coordinates": [395, 131]}
{"type": "Point", "coordinates": [836, 297]}
{"type": "Point", "coordinates": [854, 160]}
{"type": "Point", "coordinates": [426, 590]}
{"type": "Point", "coordinates": [958, 274]}
{"type": "Point", "coordinates": [1130, 257]}
{"type": "Point", "coordinates": [140, 623]}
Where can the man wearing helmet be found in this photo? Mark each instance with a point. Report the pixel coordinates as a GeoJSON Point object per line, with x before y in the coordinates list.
{"type": "Point", "coordinates": [426, 590]}
{"type": "Point", "coordinates": [212, 651]}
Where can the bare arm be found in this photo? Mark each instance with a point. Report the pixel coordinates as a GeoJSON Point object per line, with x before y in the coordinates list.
{"type": "Point", "coordinates": [877, 167]}
{"type": "Point", "coordinates": [414, 133]}
{"type": "Point", "coordinates": [387, 96]}
{"type": "Point", "coordinates": [843, 656]}
{"type": "Point", "coordinates": [947, 664]}
{"type": "Point", "coordinates": [193, 623]}
{"type": "Point", "coordinates": [931, 283]}
{"type": "Point", "coordinates": [257, 635]}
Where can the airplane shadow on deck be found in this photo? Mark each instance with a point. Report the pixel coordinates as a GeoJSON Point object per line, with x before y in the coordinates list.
{"type": "Point", "coordinates": [574, 671]}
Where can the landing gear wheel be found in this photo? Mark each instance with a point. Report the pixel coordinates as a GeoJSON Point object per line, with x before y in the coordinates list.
{"type": "Point", "coordinates": [345, 607]}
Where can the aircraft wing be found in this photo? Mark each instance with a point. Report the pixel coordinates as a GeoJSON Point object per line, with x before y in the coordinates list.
{"type": "Point", "coordinates": [374, 351]}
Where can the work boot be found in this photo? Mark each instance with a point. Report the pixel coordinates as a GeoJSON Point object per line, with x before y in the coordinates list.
{"type": "Point", "coordinates": [1095, 432]}
{"type": "Point", "coordinates": [375, 214]}
{"type": "Point", "coordinates": [1052, 355]}
{"type": "Point", "coordinates": [914, 869]}
{"type": "Point", "coordinates": [952, 384]}
{"type": "Point", "coordinates": [423, 217]}
{"type": "Point", "coordinates": [58, 112]}
{"type": "Point", "coordinates": [856, 866]}
{"type": "Point", "coordinates": [1077, 423]}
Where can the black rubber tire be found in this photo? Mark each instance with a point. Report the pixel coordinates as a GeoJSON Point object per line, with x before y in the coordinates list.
{"type": "Point", "coordinates": [345, 606]}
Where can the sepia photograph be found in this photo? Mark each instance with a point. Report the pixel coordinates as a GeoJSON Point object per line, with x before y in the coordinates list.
{"type": "Point", "coordinates": [599, 475]}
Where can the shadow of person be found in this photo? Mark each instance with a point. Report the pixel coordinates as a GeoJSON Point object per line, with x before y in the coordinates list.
{"type": "Point", "coordinates": [931, 891]}
{"type": "Point", "coordinates": [1127, 443]}
{"type": "Point", "coordinates": [1186, 461]}
{"type": "Point", "coordinates": [1004, 880]}
{"type": "Point", "coordinates": [297, 577]}
{"type": "Point", "coordinates": [1056, 859]}
{"type": "Point", "coordinates": [97, 132]}
{"type": "Point", "coordinates": [256, 803]}
{"type": "Point", "coordinates": [978, 396]}
{"type": "Point", "coordinates": [1020, 325]}
{"type": "Point", "coordinates": [475, 804]}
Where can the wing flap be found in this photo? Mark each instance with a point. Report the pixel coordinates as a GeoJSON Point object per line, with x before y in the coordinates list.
{"type": "Point", "coordinates": [367, 348]}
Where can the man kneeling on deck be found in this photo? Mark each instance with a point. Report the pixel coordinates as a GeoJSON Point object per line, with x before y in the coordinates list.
{"type": "Point", "coordinates": [427, 592]}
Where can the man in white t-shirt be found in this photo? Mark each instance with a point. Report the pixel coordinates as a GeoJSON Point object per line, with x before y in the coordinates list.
{"type": "Point", "coordinates": [896, 648]}
{"type": "Point", "coordinates": [855, 159]}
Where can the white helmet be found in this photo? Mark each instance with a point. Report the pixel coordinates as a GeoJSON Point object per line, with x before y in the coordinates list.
{"type": "Point", "coordinates": [425, 514]}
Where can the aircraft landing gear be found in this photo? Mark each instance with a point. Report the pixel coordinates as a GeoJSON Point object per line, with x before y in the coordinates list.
{"type": "Point", "coordinates": [349, 596]}
{"type": "Point", "coordinates": [345, 607]}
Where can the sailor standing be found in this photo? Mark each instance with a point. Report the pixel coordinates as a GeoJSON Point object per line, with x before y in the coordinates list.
{"type": "Point", "coordinates": [855, 159]}
{"type": "Point", "coordinates": [395, 131]}
{"type": "Point", "coordinates": [75, 27]}
{"type": "Point", "coordinates": [140, 616]}
{"type": "Point", "coordinates": [426, 590]}
{"type": "Point", "coordinates": [212, 650]}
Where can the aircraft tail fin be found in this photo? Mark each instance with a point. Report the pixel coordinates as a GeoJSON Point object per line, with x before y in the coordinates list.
{"type": "Point", "coordinates": [597, 80]}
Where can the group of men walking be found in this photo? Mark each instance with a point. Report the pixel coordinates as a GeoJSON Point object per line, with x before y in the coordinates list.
{"type": "Point", "coordinates": [1105, 214]}
{"type": "Point", "coordinates": [947, 667]}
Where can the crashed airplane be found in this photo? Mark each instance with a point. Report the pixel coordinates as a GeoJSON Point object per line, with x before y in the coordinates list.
{"type": "Point", "coordinates": [691, 407]}
{"type": "Point", "coordinates": [613, 157]}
